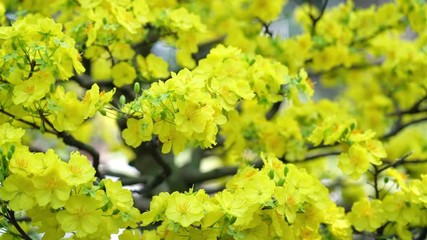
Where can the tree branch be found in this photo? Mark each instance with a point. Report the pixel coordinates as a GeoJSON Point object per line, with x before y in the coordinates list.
{"type": "Point", "coordinates": [320, 155]}
{"type": "Point", "coordinates": [400, 127]}
{"type": "Point", "coordinates": [11, 217]}
{"type": "Point", "coordinates": [315, 20]}
{"type": "Point", "coordinates": [412, 110]}
{"type": "Point", "coordinates": [376, 174]}
{"type": "Point", "coordinates": [228, 171]}
{"type": "Point", "coordinates": [213, 174]}
{"type": "Point", "coordinates": [70, 140]}
{"type": "Point", "coordinates": [402, 161]}
{"type": "Point", "coordinates": [66, 137]}
{"type": "Point", "coordinates": [33, 125]}
{"type": "Point", "coordinates": [162, 176]}
{"type": "Point", "coordinates": [266, 27]}
{"type": "Point", "coordinates": [273, 110]}
{"type": "Point", "coordinates": [423, 234]}
{"type": "Point", "coordinates": [378, 170]}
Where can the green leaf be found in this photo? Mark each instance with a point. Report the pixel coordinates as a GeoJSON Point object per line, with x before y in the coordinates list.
{"type": "Point", "coordinates": [286, 171]}
{"type": "Point", "coordinates": [271, 174]}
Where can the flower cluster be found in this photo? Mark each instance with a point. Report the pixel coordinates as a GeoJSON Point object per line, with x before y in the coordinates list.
{"type": "Point", "coordinates": [35, 52]}
{"type": "Point", "coordinates": [189, 106]}
{"type": "Point", "coordinates": [362, 150]}
{"type": "Point", "coordinates": [405, 209]}
{"type": "Point", "coordinates": [277, 201]}
{"type": "Point", "coordinates": [62, 197]}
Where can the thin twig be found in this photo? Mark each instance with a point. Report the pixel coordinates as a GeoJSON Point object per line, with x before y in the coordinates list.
{"type": "Point", "coordinates": [273, 110]}
{"type": "Point", "coordinates": [320, 155]}
{"type": "Point", "coordinates": [415, 108]}
{"type": "Point", "coordinates": [228, 171]}
{"type": "Point", "coordinates": [378, 170]}
{"type": "Point", "coordinates": [315, 20]}
{"type": "Point", "coordinates": [376, 174]}
{"type": "Point", "coordinates": [12, 219]}
{"type": "Point", "coordinates": [400, 127]}
{"type": "Point", "coordinates": [66, 137]}
{"type": "Point", "coordinates": [33, 125]}
{"type": "Point", "coordinates": [266, 26]}
{"type": "Point", "coordinates": [213, 174]}
{"type": "Point", "coordinates": [400, 161]}
{"type": "Point", "coordinates": [70, 140]}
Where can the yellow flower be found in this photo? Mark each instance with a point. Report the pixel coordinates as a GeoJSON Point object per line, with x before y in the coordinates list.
{"type": "Point", "coordinates": [45, 219]}
{"type": "Point", "coordinates": [120, 198]}
{"type": "Point", "coordinates": [158, 207]}
{"type": "Point", "coordinates": [50, 188]}
{"type": "Point", "coordinates": [184, 57]}
{"type": "Point", "coordinates": [78, 170]}
{"type": "Point", "coordinates": [397, 208]}
{"type": "Point", "coordinates": [400, 177]}
{"type": "Point", "coordinates": [417, 190]}
{"type": "Point", "coordinates": [34, 88]}
{"type": "Point", "coordinates": [23, 162]}
{"type": "Point", "coordinates": [19, 191]}
{"type": "Point", "coordinates": [2, 14]}
{"type": "Point", "coordinates": [191, 117]}
{"type": "Point", "coordinates": [357, 136]}
{"type": "Point", "coordinates": [10, 134]}
{"type": "Point", "coordinates": [81, 215]}
{"type": "Point", "coordinates": [68, 111]}
{"type": "Point", "coordinates": [330, 57]}
{"type": "Point", "coordinates": [152, 67]}
{"type": "Point", "coordinates": [96, 100]}
{"type": "Point", "coordinates": [267, 11]}
{"type": "Point", "coordinates": [184, 209]}
{"type": "Point", "coordinates": [173, 140]}
{"type": "Point", "coordinates": [123, 73]}
{"type": "Point", "coordinates": [181, 19]}
{"type": "Point", "coordinates": [121, 51]}
{"type": "Point", "coordinates": [138, 131]}
{"type": "Point", "coordinates": [376, 148]}
{"type": "Point", "coordinates": [231, 203]}
{"type": "Point", "coordinates": [126, 19]}
{"type": "Point", "coordinates": [289, 200]}
{"type": "Point", "coordinates": [355, 162]}
{"type": "Point", "coordinates": [44, 163]}
{"type": "Point", "coordinates": [267, 76]}
{"type": "Point", "coordinates": [367, 215]}
{"type": "Point", "coordinates": [260, 188]}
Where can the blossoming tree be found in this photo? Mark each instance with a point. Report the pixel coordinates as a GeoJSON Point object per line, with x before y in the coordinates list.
{"type": "Point", "coordinates": [81, 78]}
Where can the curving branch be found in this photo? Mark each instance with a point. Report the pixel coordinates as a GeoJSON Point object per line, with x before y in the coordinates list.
{"type": "Point", "coordinates": [400, 126]}
{"type": "Point", "coordinates": [378, 170]}
{"type": "Point", "coordinates": [12, 219]}
{"type": "Point", "coordinates": [213, 174]}
{"type": "Point", "coordinates": [31, 124]}
{"type": "Point", "coordinates": [416, 108]}
{"type": "Point", "coordinates": [70, 140]}
{"type": "Point", "coordinates": [193, 177]}
{"type": "Point", "coordinates": [402, 161]}
{"type": "Point", "coordinates": [266, 27]}
{"type": "Point", "coordinates": [66, 137]}
{"type": "Point", "coordinates": [162, 176]}
{"type": "Point", "coordinates": [320, 155]}
{"type": "Point", "coordinates": [315, 19]}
